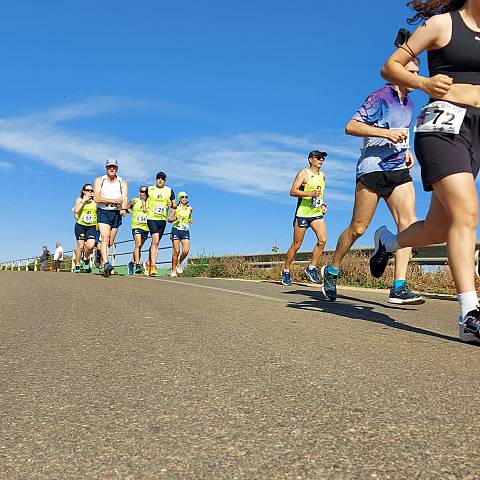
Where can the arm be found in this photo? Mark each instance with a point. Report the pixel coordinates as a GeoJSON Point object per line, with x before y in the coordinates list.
{"type": "Point", "coordinates": [173, 205]}
{"type": "Point", "coordinates": [360, 129]}
{"type": "Point", "coordinates": [432, 34]}
{"type": "Point", "coordinates": [190, 220]}
{"type": "Point", "coordinates": [297, 183]}
{"type": "Point", "coordinates": [124, 195]}
{"type": "Point", "coordinates": [78, 207]}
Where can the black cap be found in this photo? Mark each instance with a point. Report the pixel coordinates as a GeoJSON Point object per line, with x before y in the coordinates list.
{"type": "Point", "coordinates": [161, 175]}
{"type": "Point", "coordinates": [317, 154]}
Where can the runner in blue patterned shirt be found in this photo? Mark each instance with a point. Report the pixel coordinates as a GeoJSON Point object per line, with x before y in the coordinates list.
{"type": "Point", "coordinates": [383, 171]}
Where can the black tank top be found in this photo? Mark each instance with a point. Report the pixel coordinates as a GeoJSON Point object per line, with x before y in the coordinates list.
{"type": "Point", "coordinates": [460, 58]}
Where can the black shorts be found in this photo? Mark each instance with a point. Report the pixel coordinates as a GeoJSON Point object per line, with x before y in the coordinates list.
{"type": "Point", "coordinates": [384, 183]}
{"type": "Point", "coordinates": [444, 154]}
{"type": "Point", "coordinates": [156, 226]}
{"type": "Point", "coordinates": [82, 232]}
{"type": "Point", "coordinates": [109, 217]}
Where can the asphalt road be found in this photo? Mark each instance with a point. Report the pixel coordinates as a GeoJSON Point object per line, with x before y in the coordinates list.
{"type": "Point", "coordinates": [137, 378]}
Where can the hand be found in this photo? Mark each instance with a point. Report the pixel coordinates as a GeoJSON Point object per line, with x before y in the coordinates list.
{"type": "Point", "coordinates": [315, 193]}
{"type": "Point", "coordinates": [324, 209]}
{"type": "Point", "coordinates": [409, 160]}
{"type": "Point", "coordinates": [437, 86]}
{"type": "Point", "coordinates": [396, 136]}
{"type": "Point", "coordinates": [123, 212]}
{"type": "Point", "coordinates": [171, 219]}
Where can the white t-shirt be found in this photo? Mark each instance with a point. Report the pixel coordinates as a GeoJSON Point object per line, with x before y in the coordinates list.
{"type": "Point", "coordinates": [58, 255]}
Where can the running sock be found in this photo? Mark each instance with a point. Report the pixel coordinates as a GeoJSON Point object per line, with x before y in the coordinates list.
{"type": "Point", "coordinates": [468, 302]}
{"type": "Point", "coordinates": [286, 270]}
{"type": "Point", "coordinates": [398, 284]}
{"type": "Point", "coordinates": [391, 243]}
{"type": "Point", "coordinates": [332, 271]}
{"type": "Point", "coordinates": [311, 267]}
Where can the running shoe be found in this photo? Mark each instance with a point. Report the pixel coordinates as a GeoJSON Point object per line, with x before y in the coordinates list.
{"type": "Point", "coordinates": [329, 287]}
{"type": "Point", "coordinates": [469, 327]}
{"type": "Point", "coordinates": [286, 278]}
{"type": "Point", "coordinates": [380, 256]}
{"type": "Point", "coordinates": [130, 268]}
{"type": "Point", "coordinates": [173, 273]}
{"type": "Point", "coordinates": [146, 267]}
{"type": "Point", "coordinates": [138, 269]}
{"type": "Point", "coordinates": [152, 271]}
{"type": "Point", "coordinates": [179, 268]}
{"type": "Point", "coordinates": [98, 258]}
{"type": "Point", "coordinates": [76, 269]}
{"type": "Point", "coordinates": [404, 296]}
{"type": "Point", "coordinates": [477, 264]}
{"type": "Point", "coordinates": [107, 269]}
{"type": "Point", "coordinates": [86, 267]}
{"type": "Point", "coordinates": [312, 274]}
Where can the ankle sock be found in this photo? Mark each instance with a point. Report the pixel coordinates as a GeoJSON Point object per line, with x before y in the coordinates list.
{"type": "Point", "coordinates": [311, 267]}
{"type": "Point", "coordinates": [398, 283]}
{"type": "Point", "coordinates": [332, 271]}
{"type": "Point", "coordinates": [286, 270]}
{"type": "Point", "coordinates": [468, 302]}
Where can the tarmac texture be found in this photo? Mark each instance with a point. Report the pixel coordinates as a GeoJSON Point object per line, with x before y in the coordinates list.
{"type": "Point", "coordinates": [138, 378]}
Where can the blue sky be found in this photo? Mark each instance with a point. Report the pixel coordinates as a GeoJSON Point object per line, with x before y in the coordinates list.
{"type": "Point", "coordinates": [226, 97]}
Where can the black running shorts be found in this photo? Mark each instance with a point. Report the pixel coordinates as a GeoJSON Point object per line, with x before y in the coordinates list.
{"type": "Point", "coordinates": [384, 183]}
{"type": "Point", "coordinates": [444, 154]}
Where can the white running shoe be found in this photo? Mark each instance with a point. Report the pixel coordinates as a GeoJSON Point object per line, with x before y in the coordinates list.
{"type": "Point", "coordinates": [179, 268]}
{"type": "Point", "coordinates": [173, 273]}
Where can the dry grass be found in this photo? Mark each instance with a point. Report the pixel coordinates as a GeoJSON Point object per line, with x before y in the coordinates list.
{"type": "Point", "coordinates": [355, 272]}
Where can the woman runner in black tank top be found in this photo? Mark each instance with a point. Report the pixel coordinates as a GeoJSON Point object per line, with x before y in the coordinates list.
{"type": "Point", "coordinates": [447, 142]}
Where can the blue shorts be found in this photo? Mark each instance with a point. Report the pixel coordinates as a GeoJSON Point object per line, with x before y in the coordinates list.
{"type": "Point", "coordinates": [109, 217]}
{"type": "Point", "coordinates": [157, 226]}
{"type": "Point", "coordinates": [140, 231]}
{"type": "Point", "coordinates": [305, 222]}
{"type": "Point", "coordinates": [85, 233]}
{"type": "Point", "coordinates": [97, 236]}
{"type": "Point", "coordinates": [180, 234]}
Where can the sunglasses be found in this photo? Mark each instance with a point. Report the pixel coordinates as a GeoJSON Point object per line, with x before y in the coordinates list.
{"type": "Point", "coordinates": [90, 191]}
{"type": "Point", "coordinates": [184, 196]}
{"type": "Point", "coordinates": [143, 191]}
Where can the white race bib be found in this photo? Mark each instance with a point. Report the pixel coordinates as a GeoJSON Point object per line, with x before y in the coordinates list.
{"type": "Point", "coordinates": [406, 143]}
{"type": "Point", "coordinates": [440, 117]}
{"type": "Point", "coordinates": [159, 209]}
{"type": "Point", "coordinates": [316, 202]}
{"type": "Point", "coordinates": [113, 206]}
{"type": "Point", "coordinates": [182, 226]}
{"type": "Point", "coordinates": [141, 219]}
{"type": "Point", "coordinates": [87, 218]}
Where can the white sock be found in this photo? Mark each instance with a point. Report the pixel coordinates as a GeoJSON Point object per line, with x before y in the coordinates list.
{"type": "Point", "coordinates": [468, 302]}
{"type": "Point", "coordinates": [286, 270]}
{"type": "Point", "coordinates": [311, 267]}
{"type": "Point", "coordinates": [390, 242]}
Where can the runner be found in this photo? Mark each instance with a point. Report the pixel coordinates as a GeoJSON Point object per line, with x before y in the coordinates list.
{"type": "Point", "coordinates": [447, 143]}
{"type": "Point", "coordinates": [85, 212]}
{"type": "Point", "coordinates": [111, 195]}
{"type": "Point", "coordinates": [181, 233]}
{"type": "Point", "coordinates": [383, 171]}
{"type": "Point", "coordinates": [138, 209]}
{"type": "Point", "coordinates": [309, 188]}
{"type": "Point", "coordinates": [160, 199]}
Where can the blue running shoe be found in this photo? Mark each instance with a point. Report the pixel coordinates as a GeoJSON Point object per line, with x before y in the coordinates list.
{"type": "Point", "coordinates": [87, 268]}
{"type": "Point", "coordinates": [286, 278]}
{"type": "Point", "coordinates": [107, 269]}
{"type": "Point", "coordinates": [76, 269]}
{"type": "Point", "coordinates": [312, 274]}
{"type": "Point", "coordinates": [380, 256]}
{"type": "Point", "coordinates": [329, 287]}
{"type": "Point", "coordinates": [404, 296]}
{"type": "Point", "coordinates": [138, 269]}
{"type": "Point", "coordinates": [131, 266]}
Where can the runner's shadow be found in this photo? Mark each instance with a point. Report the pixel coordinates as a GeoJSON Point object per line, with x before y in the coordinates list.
{"type": "Point", "coordinates": [317, 303]}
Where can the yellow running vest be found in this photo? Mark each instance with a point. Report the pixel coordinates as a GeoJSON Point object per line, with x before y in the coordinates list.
{"type": "Point", "coordinates": [157, 202]}
{"type": "Point", "coordinates": [182, 218]}
{"type": "Point", "coordinates": [311, 206]}
{"type": "Point", "coordinates": [139, 217]}
{"type": "Point", "coordinates": [88, 214]}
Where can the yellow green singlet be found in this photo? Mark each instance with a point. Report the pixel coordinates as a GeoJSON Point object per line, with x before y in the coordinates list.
{"type": "Point", "coordinates": [311, 206]}
{"type": "Point", "coordinates": [157, 202]}
{"type": "Point", "coordinates": [182, 218]}
{"type": "Point", "coordinates": [88, 214]}
{"type": "Point", "coordinates": [139, 217]}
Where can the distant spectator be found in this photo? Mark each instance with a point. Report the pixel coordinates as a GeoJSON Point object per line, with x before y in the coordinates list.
{"type": "Point", "coordinates": [44, 259]}
{"type": "Point", "coordinates": [58, 256]}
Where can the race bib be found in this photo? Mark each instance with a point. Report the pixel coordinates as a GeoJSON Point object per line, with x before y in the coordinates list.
{"type": "Point", "coordinates": [87, 218]}
{"type": "Point", "coordinates": [141, 219]}
{"type": "Point", "coordinates": [113, 206]}
{"type": "Point", "coordinates": [406, 143]}
{"type": "Point", "coordinates": [182, 226]}
{"type": "Point", "coordinates": [440, 117]}
{"type": "Point", "coordinates": [316, 202]}
{"type": "Point", "coordinates": [159, 209]}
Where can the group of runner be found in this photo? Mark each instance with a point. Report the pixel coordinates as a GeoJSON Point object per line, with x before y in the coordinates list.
{"type": "Point", "coordinates": [447, 146]}
{"type": "Point", "coordinates": [99, 211]}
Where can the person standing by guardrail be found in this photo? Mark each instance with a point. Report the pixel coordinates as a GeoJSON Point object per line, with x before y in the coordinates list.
{"type": "Point", "coordinates": [181, 233]}
{"type": "Point", "coordinates": [58, 256]}
{"type": "Point", "coordinates": [138, 209]}
{"type": "Point", "coordinates": [85, 212]}
{"type": "Point", "coordinates": [44, 259]}
{"type": "Point", "coordinates": [111, 195]}
{"type": "Point", "coordinates": [160, 199]}
{"type": "Point", "coordinates": [383, 171]}
{"type": "Point", "coordinates": [309, 187]}
{"type": "Point", "coordinates": [447, 144]}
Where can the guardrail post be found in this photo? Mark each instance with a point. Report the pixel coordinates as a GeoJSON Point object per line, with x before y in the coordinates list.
{"type": "Point", "coordinates": [35, 265]}
{"type": "Point", "coordinates": [113, 256]}
{"type": "Point", "coordinates": [19, 265]}
{"type": "Point", "coordinates": [26, 264]}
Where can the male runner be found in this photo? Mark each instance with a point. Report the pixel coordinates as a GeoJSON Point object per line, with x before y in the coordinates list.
{"type": "Point", "coordinates": [309, 188]}
{"type": "Point", "coordinates": [159, 199]}
{"type": "Point", "coordinates": [111, 196]}
{"type": "Point", "coordinates": [383, 171]}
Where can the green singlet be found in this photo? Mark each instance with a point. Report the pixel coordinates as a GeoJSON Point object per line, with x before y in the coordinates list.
{"type": "Point", "coordinates": [311, 206]}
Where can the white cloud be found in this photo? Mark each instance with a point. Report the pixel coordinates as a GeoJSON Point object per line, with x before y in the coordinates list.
{"type": "Point", "coordinates": [259, 164]}
{"type": "Point", "coordinates": [6, 166]}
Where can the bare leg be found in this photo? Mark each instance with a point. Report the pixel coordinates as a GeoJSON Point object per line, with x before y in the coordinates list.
{"type": "Point", "coordinates": [185, 250]}
{"type": "Point", "coordinates": [320, 229]}
{"type": "Point", "coordinates": [366, 202]}
{"type": "Point", "coordinates": [298, 236]}
{"type": "Point", "coordinates": [137, 249]}
{"type": "Point", "coordinates": [105, 230]}
{"type": "Point", "coordinates": [88, 249]}
{"type": "Point", "coordinates": [153, 252]}
{"type": "Point", "coordinates": [79, 251]}
{"type": "Point", "coordinates": [175, 254]}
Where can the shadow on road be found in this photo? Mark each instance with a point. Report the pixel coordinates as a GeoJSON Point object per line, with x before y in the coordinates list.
{"type": "Point", "coordinates": [317, 303]}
